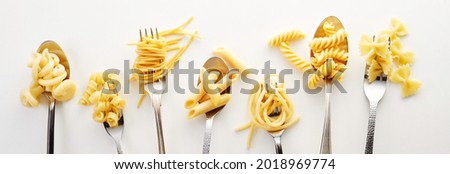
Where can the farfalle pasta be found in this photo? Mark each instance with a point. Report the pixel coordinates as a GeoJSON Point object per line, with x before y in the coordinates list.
{"type": "Point", "coordinates": [106, 100]}
{"type": "Point", "coordinates": [48, 76]}
{"type": "Point", "coordinates": [262, 103]}
{"type": "Point", "coordinates": [384, 55]}
{"type": "Point", "coordinates": [210, 95]}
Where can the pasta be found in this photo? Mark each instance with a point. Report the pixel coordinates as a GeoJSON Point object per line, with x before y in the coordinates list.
{"type": "Point", "coordinates": [107, 106]}
{"type": "Point", "coordinates": [408, 86]}
{"type": "Point", "coordinates": [210, 92]}
{"type": "Point", "coordinates": [48, 76]}
{"type": "Point", "coordinates": [152, 51]}
{"type": "Point", "coordinates": [319, 44]}
{"type": "Point", "coordinates": [370, 48]}
{"type": "Point", "coordinates": [399, 56]}
{"type": "Point", "coordinates": [298, 62]}
{"type": "Point", "coordinates": [396, 30]}
{"type": "Point", "coordinates": [328, 27]}
{"type": "Point", "coordinates": [329, 58]}
{"type": "Point", "coordinates": [286, 36]}
{"type": "Point", "coordinates": [263, 103]}
{"type": "Point", "coordinates": [229, 58]}
{"type": "Point", "coordinates": [282, 41]}
{"type": "Point", "coordinates": [384, 53]}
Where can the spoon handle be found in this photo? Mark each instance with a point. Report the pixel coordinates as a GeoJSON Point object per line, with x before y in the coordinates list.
{"type": "Point", "coordinates": [51, 127]}
{"type": "Point", "coordinates": [207, 137]}
{"type": "Point", "coordinates": [325, 145]}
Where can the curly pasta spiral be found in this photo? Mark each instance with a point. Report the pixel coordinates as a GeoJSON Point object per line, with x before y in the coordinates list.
{"type": "Point", "coordinates": [263, 103]}
{"type": "Point", "coordinates": [318, 44]}
{"type": "Point", "coordinates": [48, 76]}
{"type": "Point", "coordinates": [293, 58]}
{"type": "Point", "coordinates": [286, 36]}
{"type": "Point", "coordinates": [107, 106]}
{"type": "Point", "coordinates": [328, 27]}
{"type": "Point", "coordinates": [336, 54]}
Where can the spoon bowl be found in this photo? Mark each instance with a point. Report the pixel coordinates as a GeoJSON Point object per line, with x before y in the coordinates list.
{"type": "Point", "coordinates": [325, 146]}
{"type": "Point", "coordinates": [54, 48]}
{"type": "Point", "coordinates": [213, 64]}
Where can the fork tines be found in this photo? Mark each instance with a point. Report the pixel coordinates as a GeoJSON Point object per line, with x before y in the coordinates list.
{"type": "Point", "coordinates": [146, 34]}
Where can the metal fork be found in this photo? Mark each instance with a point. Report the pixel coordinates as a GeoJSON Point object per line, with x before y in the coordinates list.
{"type": "Point", "coordinates": [374, 92]}
{"type": "Point", "coordinates": [276, 135]}
{"type": "Point", "coordinates": [116, 133]}
{"type": "Point", "coordinates": [156, 90]}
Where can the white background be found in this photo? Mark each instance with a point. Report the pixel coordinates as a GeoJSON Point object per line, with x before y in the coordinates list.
{"type": "Point", "coordinates": [95, 35]}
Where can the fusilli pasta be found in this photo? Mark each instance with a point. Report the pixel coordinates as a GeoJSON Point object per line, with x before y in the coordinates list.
{"type": "Point", "coordinates": [48, 76]}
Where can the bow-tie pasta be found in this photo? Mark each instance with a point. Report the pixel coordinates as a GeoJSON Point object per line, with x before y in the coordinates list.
{"type": "Point", "coordinates": [48, 76]}
{"type": "Point", "coordinates": [384, 55]}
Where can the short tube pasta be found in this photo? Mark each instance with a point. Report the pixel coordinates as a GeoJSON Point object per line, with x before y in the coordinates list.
{"type": "Point", "coordinates": [207, 106]}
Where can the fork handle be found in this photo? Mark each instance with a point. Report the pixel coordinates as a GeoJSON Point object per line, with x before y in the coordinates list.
{"type": "Point", "coordinates": [371, 128]}
{"type": "Point", "coordinates": [156, 102]}
{"type": "Point", "coordinates": [278, 147]}
{"type": "Point", "coordinates": [51, 127]}
{"type": "Point", "coordinates": [325, 145]}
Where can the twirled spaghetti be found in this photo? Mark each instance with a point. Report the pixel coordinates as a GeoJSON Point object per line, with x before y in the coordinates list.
{"type": "Point", "coordinates": [262, 103]}
{"type": "Point", "coordinates": [151, 63]}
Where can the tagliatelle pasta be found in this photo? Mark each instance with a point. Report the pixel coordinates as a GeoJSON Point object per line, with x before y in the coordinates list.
{"type": "Point", "coordinates": [106, 100]}
{"type": "Point", "coordinates": [48, 76]}
{"type": "Point", "coordinates": [262, 103]}
{"type": "Point", "coordinates": [384, 54]}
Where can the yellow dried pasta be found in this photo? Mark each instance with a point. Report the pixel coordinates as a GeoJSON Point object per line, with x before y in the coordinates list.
{"type": "Point", "coordinates": [293, 58]}
{"type": "Point", "coordinates": [286, 36]}
{"type": "Point", "coordinates": [107, 106]}
{"type": "Point", "coordinates": [203, 101]}
{"type": "Point", "coordinates": [329, 59]}
{"type": "Point", "coordinates": [48, 76]}
{"type": "Point", "coordinates": [152, 51]}
{"type": "Point", "coordinates": [263, 103]}
{"type": "Point", "coordinates": [385, 53]}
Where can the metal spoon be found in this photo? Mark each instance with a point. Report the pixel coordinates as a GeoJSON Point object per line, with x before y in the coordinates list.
{"type": "Point", "coordinates": [54, 48]}
{"type": "Point", "coordinates": [213, 64]}
{"type": "Point", "coordinates": [325, 146]}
